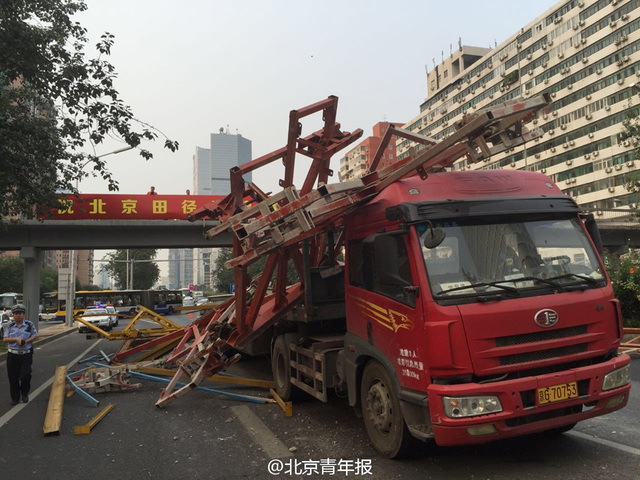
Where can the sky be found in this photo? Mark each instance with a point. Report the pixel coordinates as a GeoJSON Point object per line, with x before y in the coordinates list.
{"type": "Point", "coordinates": [189, 67]}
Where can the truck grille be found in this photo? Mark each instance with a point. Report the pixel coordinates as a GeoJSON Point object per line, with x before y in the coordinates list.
{"type": "Point", "coordinates": [541, 336]}
{"type": "Point", "coordinates": [543, 354]}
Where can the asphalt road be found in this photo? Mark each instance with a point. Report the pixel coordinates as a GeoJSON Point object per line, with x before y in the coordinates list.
{"type": "Point", "coordinates": [202, 435]}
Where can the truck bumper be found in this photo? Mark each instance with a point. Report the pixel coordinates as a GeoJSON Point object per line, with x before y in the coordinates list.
{"type": "Point", "coordinates": [520, 413]}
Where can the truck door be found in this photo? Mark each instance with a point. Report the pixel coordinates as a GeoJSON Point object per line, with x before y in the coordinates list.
{"type": "Point", "coordinates": [382, 305]}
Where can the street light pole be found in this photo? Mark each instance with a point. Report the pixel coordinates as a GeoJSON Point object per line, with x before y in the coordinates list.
{"type": "Point", "coordinates": [71, 293]}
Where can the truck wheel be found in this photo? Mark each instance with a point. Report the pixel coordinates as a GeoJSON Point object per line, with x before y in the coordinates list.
{"type": "Point", "coordinates": [382, 414]}
{"type": "Point", "coordinates": [281, 369]}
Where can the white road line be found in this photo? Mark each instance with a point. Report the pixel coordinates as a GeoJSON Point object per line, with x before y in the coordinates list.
{"type": "Point", "coordinates": [273, 447]}
{"type": "Point", "coordinates": [15, 410]}
{"type": "Point", "coordinates": [608, 443]}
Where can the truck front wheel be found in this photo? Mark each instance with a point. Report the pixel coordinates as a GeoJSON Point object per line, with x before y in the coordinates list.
{"type": "Point", "coordinates": [382, 414]}
{"type": "Point", "coordinates": [281, 369]}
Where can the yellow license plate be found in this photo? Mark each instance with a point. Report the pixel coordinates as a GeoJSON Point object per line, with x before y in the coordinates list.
{"type": "Point", "coordinates": [557, 393]}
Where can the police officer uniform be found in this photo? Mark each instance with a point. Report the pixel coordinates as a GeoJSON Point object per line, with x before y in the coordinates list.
{"type": "Point", "coordinates": [20, 355]}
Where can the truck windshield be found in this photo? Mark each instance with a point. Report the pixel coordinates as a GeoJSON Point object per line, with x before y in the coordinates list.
{"type": "Point", "coordinates": [510, 258]}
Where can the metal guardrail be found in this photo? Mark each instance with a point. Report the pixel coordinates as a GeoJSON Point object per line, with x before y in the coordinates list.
{"type": "Point", "coordinates": [618, 217]}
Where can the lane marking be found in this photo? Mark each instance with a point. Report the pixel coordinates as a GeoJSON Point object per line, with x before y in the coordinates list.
{"type": "Point", "coordinates": [273, 447]}
{"type": "Point", "coordinates": [18, 408]}
{"type": "Point", "coordinates": [608, 443]}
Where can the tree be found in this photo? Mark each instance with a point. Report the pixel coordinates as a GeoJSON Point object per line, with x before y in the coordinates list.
{"type": "Point", "coordinates": [11, 274]}
{"type": "Point", "coordinates": [145, 272]}
{"type": "Point", "coordinates": [56, 102]}
{"type": "Point", "coordinates": [48, 280]}
{"type": "Point", "coordinates": [223, 277]}
{"type": "Point", "coordinates": [624, 272]}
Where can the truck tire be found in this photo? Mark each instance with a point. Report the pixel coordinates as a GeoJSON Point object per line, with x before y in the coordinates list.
{"type": "Point", "coordinates": [281, 370]}
{"type": "Point", "coordinates": [382, 413]}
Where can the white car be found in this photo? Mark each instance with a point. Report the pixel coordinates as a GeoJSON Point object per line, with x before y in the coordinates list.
{"type": "Point", "coordinates": [99, 317]}
{"type": "Point", "coordinates": [202, 301]}
{"type": "Point", "coordinates": [114, 317]}
{"type": "Point", "coordinates": [188, 302]}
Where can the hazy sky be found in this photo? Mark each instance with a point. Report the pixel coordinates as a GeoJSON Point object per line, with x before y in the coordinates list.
{"type": "Point", "coordinates": [190, 67]}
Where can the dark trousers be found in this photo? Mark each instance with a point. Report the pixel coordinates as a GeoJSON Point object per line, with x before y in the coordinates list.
{"type": "Point", "coordinates": [19, 370]}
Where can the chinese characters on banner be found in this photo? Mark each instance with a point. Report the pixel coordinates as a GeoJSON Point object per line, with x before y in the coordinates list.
{"type": "Point", "coordinates": [129, 207]}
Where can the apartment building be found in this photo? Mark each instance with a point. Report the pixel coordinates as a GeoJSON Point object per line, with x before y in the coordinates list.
{"type": "Point", "coordinates": [584, 54]}
{"type": "Point", "coordinates": [357, 160]}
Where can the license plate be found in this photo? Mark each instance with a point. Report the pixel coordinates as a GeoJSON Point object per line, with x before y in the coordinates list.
{"type": "Point", "coordinates": [557, 393]}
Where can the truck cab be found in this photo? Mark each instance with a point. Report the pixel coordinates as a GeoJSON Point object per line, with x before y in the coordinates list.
{"type": "Point", "coordinates": [477, 308]}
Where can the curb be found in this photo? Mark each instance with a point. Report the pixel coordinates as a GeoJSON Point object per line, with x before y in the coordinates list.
{"type": "Point", "coordinates": [45, 340]}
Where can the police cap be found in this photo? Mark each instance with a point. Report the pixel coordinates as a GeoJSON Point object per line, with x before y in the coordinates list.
{"type": "Point", "coordinates": [18, 308]}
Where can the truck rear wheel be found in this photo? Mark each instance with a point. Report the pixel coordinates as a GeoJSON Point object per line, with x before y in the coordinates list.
{"type": "Point", "coordinates": [281, 370]}
{"type": "Point", "coordinates": [382, 413]}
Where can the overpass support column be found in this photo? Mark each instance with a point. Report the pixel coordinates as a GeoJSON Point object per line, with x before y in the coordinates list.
{"type": "Point", "coordinates": [31, 287]}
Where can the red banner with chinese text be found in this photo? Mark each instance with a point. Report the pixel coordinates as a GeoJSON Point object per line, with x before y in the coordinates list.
{"type": "Point", "coordinates": [88, 206]}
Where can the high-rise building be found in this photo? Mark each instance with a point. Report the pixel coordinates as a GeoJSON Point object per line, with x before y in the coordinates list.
{"type": "Point", "coordinates": [356, 161]}
{"type": "Point", "coordinates": [583, 54]}
{"type": "Point", "coordinates": [83, 264]}
{"type": "Point", "coordinates": [180, 267]}
{"type": "Point", "coordinates": [211, 168]}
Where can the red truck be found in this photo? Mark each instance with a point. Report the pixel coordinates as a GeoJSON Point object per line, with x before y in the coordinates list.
{"type": "Point", "coordinates": [470, 306]}
{"type": "Point", "coordinates": [477, 308]}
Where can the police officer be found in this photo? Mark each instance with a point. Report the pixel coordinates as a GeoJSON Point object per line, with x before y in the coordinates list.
{"type": "Point", "coordinates": [19, 335]}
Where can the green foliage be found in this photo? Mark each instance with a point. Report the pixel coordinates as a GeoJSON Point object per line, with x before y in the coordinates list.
{"type": "Point", "coordinates": [91, 288]}
{"type": "Point", "coordinates": [223, 277]}
{"type": "Point", "coordinates": [145, 272]}
{"type": "Point", "coordinates": [48, 280]}
{"type": "Point", "coordinates": [56, 102]}
{"type": "Point", "coordinates": [625, 277]}
{"type": "Point", "coordinates": [11, 274]}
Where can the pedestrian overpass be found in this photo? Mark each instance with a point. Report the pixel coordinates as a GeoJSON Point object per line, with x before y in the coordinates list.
{"type": "Point", "coordinates": [32, 237]}
{"type": "Point", "coordinates": [619, 229]}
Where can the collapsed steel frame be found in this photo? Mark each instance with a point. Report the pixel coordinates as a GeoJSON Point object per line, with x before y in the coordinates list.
{"type": "Point", "coordinates": [277, 226]}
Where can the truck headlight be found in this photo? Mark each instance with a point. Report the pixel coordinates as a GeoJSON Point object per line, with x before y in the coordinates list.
{"type": "Point", "coordinates": [458, 407]}
{"type": "Point", "coordinates": [617, 378]}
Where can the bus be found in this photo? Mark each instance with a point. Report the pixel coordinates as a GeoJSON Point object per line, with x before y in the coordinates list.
{"type": "Point", "coordinates": [9, 299]}
{"type": "Point", "coordinates": [49, 302]}
{"type": "Point", "coordinates": [163, 302]}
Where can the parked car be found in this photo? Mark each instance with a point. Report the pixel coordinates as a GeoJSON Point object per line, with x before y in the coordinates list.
{"type": "Point", "coordinates": [202, 301]}
{"type": "Point", "coordinates": [97, 316]}
{"type": "Point", "coordinates": [114, 317]}
{"type": "Point", "coordinates": [188, 302]}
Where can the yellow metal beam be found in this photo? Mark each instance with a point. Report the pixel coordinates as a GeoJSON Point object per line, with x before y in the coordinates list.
{"type": "Point", "coordinates": [130, 332]}
{"type": "Point", "coordinates": [248, 382]}
{"type": "Point", "coordinates": [287, 407]}
{"type": "Point", "coordinates": [53, 417]}
{"type": "Point", "coordinates": [86, 429]}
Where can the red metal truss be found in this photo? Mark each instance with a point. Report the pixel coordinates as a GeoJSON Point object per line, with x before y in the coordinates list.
{"type": "Point", "coordinates": [276, 225]}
